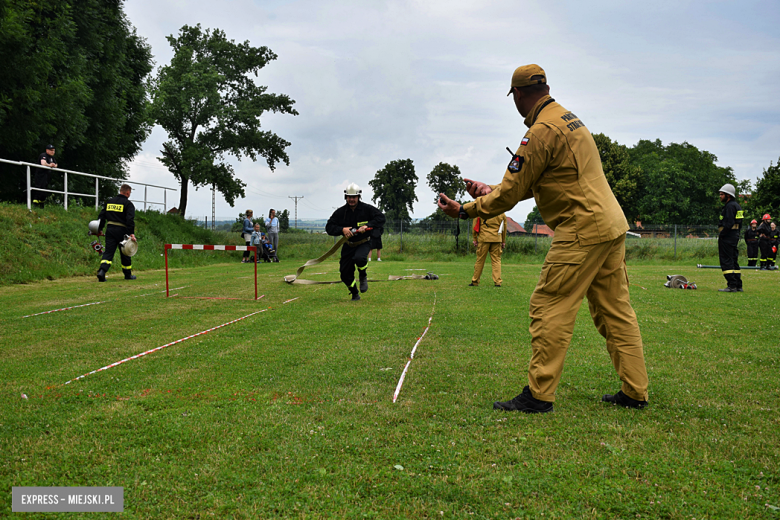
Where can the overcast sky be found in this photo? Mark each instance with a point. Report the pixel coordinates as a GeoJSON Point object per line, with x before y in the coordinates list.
{"type": "Point", "coordinates": [376, 81]}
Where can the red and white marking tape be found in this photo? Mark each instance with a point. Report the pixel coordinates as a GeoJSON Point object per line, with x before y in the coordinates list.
{"type": "Point", "coordinates": [163, 346]}
{"type": "Point", "coordinates": [411, 356]}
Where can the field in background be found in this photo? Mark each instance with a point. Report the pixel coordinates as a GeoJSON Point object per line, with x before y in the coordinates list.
{"type": "Point", "coordinates": [288, 413]}
{"type": "Point", "coordinates": [53, 243]}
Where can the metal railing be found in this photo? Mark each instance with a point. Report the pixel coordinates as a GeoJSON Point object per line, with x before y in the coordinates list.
{"type": "Point", "coordinates": [67, 193]}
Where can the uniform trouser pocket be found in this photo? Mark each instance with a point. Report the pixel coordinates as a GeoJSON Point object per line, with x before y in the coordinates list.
{"type": "Point", "coordinates": [561, 268]}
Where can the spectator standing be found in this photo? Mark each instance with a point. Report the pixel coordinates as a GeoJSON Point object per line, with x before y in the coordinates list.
{"type": "Point", "coordinates": [247, 233]}
{"type": "Point", "coordinates": [272, 228]}
{"type": "Point", "coordinates": [42, 176]}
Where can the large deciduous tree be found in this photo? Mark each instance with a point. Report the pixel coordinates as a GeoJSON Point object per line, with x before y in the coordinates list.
{"type": "Point", "coordinates": [680, 183]}
{"type": "Point", "coordinates": [211, 108]}
{"type": "Point", "coordinates": [73, 75]}
{"type": "Point", "coordinates": [393, 188]}
{"type": "Point", "coordinates": [766, 196]}
{"type": "Point", "coordinates": [624, 178]}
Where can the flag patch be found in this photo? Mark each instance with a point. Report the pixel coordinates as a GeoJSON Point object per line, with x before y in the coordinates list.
{"type": "Point", "coordinates": [524, 142]}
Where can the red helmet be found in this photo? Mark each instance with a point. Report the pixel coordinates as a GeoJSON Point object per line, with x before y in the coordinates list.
{"type": "Point", "coordinates": [753, 221]}
{"type": "Point", "coordinates": [766, 217]}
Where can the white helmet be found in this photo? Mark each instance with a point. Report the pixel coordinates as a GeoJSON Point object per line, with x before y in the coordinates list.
{"type": "Point", "coordinates": [352, 190]}
{"type": "Point", "coordinates": [93, 227]}
{"type": "Point", "coordinates": [728, 189]}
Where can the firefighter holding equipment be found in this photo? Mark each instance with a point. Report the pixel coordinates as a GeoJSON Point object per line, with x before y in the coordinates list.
{"type": "Point", "coordinates": [118, 215]}
{"type": "Point", "coordinates": [355, 220]}
{"type": "Point", "coordinates": [751, 240]}
{"type": "Point", "coordinates": [729, 224]}
{"type": "Point", "coordinates": [774, 242]}
{"type": "Point", "coordinates": [558, 163]}
{"type": "Point", "coordinates": [489, 237]}
{"type": "Point", "coordinates": [765, 241]}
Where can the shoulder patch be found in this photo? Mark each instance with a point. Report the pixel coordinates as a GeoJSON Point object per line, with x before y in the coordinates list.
{"type": "Point", "coordinates": [524, 142]}
{"type": "Point", "coordinates": [515, 164]}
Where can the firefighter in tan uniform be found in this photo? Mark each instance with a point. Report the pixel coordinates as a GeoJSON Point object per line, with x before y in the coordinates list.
{"type": "Point", "coordinates": [489, 237]}
{"type": "Point", "coordinates": [558, 164]}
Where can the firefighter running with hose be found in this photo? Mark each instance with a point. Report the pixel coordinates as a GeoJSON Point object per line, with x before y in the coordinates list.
{"type": "Point", "coordinates": [751, 240]}
{"type": "Point", "coordinates": [354, 220]}
{"type": "Point", "coordinates": [118, 216]}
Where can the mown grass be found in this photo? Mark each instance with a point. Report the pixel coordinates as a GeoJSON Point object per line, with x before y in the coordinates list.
{"type": "Point", "coordinates": [288, 413]}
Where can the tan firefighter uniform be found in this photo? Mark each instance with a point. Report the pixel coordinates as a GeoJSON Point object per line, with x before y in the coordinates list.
{"type": "Point", "coordinates": [490, 237]}
{"type": "Point", "coordinates": [558, 164]}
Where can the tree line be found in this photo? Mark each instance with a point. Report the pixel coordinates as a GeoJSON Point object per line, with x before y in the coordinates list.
{"type": "Point", "coordinates": [76, 75]}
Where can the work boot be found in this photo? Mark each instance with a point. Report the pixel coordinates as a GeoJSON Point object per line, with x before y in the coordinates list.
{"type": "Point", "coordinates": [101, 274]}
{"type": "Point", "coordinates": [525, 402]}
{"type": "Point", "coordinates": [474, 284]}
{"type": "Point", "coordinates": [128, 274]}
{"type": "Point", "coordinates": [622, 399]}
{"type": "Point", "coordinates": [729, 289]}
{"type": "Point", "coordinates": [355, 296]}
{"type": "Point", "coordinates": [363, 281]}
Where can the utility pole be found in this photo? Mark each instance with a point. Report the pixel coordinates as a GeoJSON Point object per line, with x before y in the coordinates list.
{"type": "Point", "coordinates": [296, 209]}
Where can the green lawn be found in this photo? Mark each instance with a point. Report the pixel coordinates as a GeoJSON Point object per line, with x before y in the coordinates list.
{"type": "Point", "coordinates": [289, 413]}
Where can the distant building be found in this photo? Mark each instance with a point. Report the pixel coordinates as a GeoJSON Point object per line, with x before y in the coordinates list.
{"type": "Point", "coordinates": [513, 228]}
{"type": "Point", "coordinates": [173, 211]}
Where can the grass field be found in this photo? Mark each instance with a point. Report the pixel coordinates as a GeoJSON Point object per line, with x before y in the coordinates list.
{"type": "Point", "coordinates": [289, 412]}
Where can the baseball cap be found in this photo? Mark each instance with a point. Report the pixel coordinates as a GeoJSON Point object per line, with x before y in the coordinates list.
{"type": "Point", "coordinates": [50, 147]}
{"type": "Point", "coordinates": [522, 77]}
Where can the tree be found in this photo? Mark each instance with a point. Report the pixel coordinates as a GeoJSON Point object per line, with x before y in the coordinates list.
{"type": "Point", "coordinates": [73, 76]}
{"type": "Point", "coordinates": [766, 197]}
{"type": "Point", "coordinates": [393, 187]}
{"type": "Point", "coordinates": [284, 221]}
{"type": "Point", "coordinates": [210, 108]}
{"type": "Point", "coordinates": [680, 183]}
{"type": "Point", "coordinates": [624, 178]}
{"type": "Point", "coordinates": [445, 179]}
{"type": "Point", "coordinates": [533, 218]}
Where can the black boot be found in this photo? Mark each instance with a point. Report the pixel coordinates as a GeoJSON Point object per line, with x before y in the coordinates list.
{"type": "Point", "coordinates": [622, 399]}
{"type": "Point", "coordinates": [101, 274]}
{"type": "Point", "coordinates": [363, 281]}
{"type": "Point", "coordinates": [128, 274]}
{"type": "Point", "coordinates": [525, 402]}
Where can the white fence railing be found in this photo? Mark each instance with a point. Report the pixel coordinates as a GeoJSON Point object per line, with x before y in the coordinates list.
{"type": "Point", "coordinates": [146, 202]}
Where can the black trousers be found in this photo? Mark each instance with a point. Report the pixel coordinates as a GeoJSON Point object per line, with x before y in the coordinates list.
{"type": "Point", "coordinates": [729, 260]}
{"type": "Point", "coordinates": [114, 235]}
{"type": "Point", "coordinates": [752, 252]}
{"type": "Point", "coordinates": [352, 257]}
{"type": "Point", "coordinates": [766, 251]}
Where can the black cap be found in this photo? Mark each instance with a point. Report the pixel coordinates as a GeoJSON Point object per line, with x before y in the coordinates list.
{"type": "Point", "coordinates": [50, 147]}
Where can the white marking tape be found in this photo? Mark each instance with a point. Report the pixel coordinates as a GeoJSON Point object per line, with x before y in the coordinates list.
{"type": "Point", "coordinates": [94, 303]}
{"type": "Point", "coordinates": [65, 309]}
{"type": "Point", "coordinates": [411, 357]}
{"type": "Point", "coordinates": [163, 346]}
